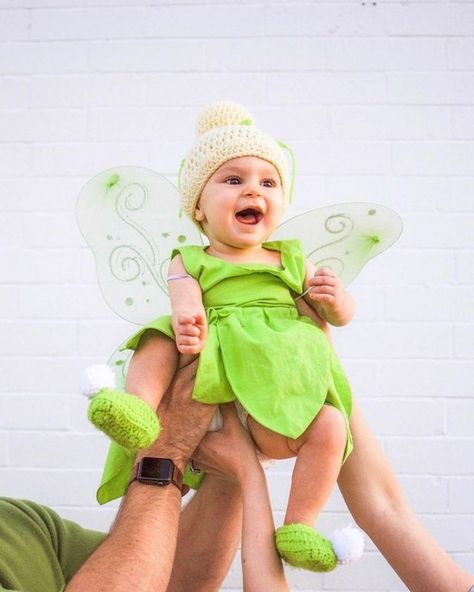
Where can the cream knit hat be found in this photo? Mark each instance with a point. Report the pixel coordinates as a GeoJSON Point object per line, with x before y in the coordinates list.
{"type": "Point", "coordinates": [225, 130]}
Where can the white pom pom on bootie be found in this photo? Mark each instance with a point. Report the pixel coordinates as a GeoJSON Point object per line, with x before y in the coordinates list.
{"type": "Point", "coordinates": [96, 378]}
{"type": "Point", "coordinates": [348, 544]}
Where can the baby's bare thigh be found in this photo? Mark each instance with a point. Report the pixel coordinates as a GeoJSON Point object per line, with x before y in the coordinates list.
{"type": "Point", "coordinates": [270, 443]}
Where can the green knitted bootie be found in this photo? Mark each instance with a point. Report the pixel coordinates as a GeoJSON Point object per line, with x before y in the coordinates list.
{"type": "Point", "coordinates": [125, 418]}
{"type": "Point", "coordinates": [301, 546]}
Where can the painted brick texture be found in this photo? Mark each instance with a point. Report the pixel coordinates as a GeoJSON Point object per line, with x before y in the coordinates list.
{"type": "Point", "coordinates": [377, 101]}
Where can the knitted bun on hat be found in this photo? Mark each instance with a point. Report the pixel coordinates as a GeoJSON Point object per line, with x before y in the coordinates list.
{"type": "Point", "coordinates": [220, 115]}
{"type": "Point", "coordinates": [225, 130]}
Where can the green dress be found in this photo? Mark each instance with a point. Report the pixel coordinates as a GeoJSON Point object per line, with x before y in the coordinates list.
{"type": "Point", "coordinates": [278, 364]}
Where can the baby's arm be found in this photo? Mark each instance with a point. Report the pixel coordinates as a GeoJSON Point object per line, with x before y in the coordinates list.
{"type": "Point", "coordinates": [188, 314]}
{"type": "Point", "coordinates": [327, 296]}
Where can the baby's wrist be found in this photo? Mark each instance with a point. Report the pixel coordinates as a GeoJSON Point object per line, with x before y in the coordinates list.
{"type": "Point", "coordinates": [336, 314]}
{"type": "Point", "coordinates": [177, 312]}
{"type": "Point", "coordinates": [345, 311]}
{"type": "Point", "coordinates": [188, 312]}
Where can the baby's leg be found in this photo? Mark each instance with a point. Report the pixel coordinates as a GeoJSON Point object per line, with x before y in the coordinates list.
{"type": "Point", "coordinates": [319, 453]}
{"type": "Point", "coordinates": [270, 443]}
{"type": "Point", "coordinates": [129, 418]}
{"type": "Point", "coordinates": [152, 367]}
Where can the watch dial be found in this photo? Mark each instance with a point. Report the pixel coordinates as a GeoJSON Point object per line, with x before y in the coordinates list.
{"type": "Point", "coordinates": [154, 468]}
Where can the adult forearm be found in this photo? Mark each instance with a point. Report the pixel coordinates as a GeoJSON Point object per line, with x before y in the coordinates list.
{"type": "Point", "coordinates": [415, 556]}
{"type": "Point", "coordinates": [208, 537]}
{"type": "Point", "coordinates": [375, 499]}
{"type": "Point", "coordinates": [139, 551]}
{"type": "Point", "coordinates": [261, 566]}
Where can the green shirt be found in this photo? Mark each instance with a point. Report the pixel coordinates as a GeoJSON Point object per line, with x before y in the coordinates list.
{"type": "Point", "coordinates": [39, 550]}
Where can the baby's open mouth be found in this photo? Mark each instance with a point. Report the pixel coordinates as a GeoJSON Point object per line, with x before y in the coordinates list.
{"type": "Point", "coordinates": [249, 216]}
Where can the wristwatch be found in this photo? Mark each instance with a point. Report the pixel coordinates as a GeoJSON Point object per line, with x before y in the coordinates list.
{"type": "Point", "coordinates": [157, 471]}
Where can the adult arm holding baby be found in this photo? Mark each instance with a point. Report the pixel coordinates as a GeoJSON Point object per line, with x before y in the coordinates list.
{"type": "Point", "coordinates": [139, 552]}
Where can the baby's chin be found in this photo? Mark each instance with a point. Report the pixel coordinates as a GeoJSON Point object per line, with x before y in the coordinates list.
{"type": "Point", "coordinates": [247, 235]}
{"type": "Point", "coordinates": [249, 240]}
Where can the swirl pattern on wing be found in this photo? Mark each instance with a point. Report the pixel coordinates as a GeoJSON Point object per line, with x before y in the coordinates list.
{"type": "Point", "coordinates": [129, 216]}
{"type": "Point", "coordinates": [336, 224]}
{"type": "Point", "coordinates": [127, 262]}
{"type": "Point", "coordinates": [343, 237]}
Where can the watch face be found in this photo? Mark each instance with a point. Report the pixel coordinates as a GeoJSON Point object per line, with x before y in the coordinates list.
{"type": "Point", "coordinates": [154, 469]}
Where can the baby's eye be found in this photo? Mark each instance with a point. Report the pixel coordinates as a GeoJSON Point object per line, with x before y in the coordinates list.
{"type": "Point", "coordinates": [270, 183]}
{"type": "Point", "coordinates": [231, 179]}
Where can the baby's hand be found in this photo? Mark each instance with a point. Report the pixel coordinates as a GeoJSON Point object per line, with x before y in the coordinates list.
{"type": "Point", "coordinates": [191, 332]}
{"type": "Point", "coordinates": [327, 291]}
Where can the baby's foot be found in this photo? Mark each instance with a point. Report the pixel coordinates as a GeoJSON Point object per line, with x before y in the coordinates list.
{"type": "Point", "coordinates": [190, 332]}
{"type": "Point", "coordinates": [125, 418]}
{"type": "Point", "coordinates": [302, 546]}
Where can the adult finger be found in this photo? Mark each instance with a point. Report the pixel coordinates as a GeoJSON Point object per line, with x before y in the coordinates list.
{"type": "Point", "coordinates": [229, 413]}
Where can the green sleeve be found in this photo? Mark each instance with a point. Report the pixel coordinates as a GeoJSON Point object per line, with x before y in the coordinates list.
{"type": "Point", "coordinates": [192, 256]}
{"type": "Point", "coordinates": [40, 551]}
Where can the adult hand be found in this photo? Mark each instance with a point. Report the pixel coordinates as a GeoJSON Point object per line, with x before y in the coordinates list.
{"type": "Point", "coordinates": [183, 420]}
{"type": "Point", "coordinates": [139, 551]}
{"type": "Point", "coordinates": [229, 453]}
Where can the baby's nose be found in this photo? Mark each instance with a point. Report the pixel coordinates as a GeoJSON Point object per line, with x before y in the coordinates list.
{"type": "Point", "coordinates": [253, 189]}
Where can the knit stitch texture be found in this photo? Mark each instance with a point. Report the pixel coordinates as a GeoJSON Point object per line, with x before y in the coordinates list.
{"type": "Point", "coordinates": [125, 418]}
{"type": "Point", "coordinates": [225, 131]}
{"type": "Point", "coordinates": [301, 546]}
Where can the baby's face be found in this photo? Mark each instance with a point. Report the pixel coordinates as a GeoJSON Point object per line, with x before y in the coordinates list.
{"type": "Point", "coordinates": [242, 202]}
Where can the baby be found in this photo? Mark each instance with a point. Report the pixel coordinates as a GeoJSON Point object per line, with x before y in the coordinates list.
{"type": "Point", "coordinates": [233, 305]}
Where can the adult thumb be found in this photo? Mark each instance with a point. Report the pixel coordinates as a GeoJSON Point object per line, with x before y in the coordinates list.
{"type": "Point", "coordinates": [229, 413]}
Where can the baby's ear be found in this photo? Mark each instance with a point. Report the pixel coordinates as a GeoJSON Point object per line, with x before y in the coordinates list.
{"type": "Point", "coordinates": [198, 214]}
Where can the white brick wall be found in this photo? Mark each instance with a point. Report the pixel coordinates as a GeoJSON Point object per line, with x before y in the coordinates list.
{"type": "Point", "coordinates": [377, 101]}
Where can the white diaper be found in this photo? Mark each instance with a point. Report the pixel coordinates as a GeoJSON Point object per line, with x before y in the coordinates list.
{"type": "Point", "coordinates": [242, 414]}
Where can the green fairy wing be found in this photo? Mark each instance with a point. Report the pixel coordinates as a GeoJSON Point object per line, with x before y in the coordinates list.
{"type": "Point", "coordinates": [129, 217]}
{"type": "Point", "coordinates": [343, 237]}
